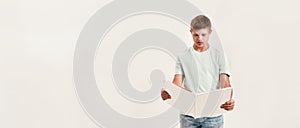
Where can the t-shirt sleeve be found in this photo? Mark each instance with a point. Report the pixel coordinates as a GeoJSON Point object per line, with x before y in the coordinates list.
{"type": "Point", "coordinates": [223, 64]}
{"type": "Point", "coordinates": [178, 67]}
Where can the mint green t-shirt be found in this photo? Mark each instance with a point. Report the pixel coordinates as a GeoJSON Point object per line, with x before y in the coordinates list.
{"type": "Point", "coordinates": [202, 69]}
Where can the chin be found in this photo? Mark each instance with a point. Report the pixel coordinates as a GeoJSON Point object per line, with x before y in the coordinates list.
{"type": "Point", "coordinates": [199, 45]}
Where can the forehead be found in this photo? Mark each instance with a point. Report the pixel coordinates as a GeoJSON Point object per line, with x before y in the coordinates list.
{"type": "Point", "coordinates": [200, 31]}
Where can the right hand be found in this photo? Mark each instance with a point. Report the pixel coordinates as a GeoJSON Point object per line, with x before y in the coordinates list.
{"type": "Point", "coordinates": [165, 95]}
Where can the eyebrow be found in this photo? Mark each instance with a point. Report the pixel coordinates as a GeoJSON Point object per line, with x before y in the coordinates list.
{"type": "Point", "coordinates": [200, 34]}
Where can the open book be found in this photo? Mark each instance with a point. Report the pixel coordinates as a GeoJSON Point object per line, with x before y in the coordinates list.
{"type": "Point", "coordinates": [205, 104]}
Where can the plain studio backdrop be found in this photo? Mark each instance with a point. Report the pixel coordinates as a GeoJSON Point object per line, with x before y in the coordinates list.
{"type": "Point", "coordinates": [38, 39]}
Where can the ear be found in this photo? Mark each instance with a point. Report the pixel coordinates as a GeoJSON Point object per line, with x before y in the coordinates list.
{"type": "Point", "coordinates": [191, 30]}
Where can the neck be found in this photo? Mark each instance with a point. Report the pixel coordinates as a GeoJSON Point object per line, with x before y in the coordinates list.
{"type": "Point", "coordinates": [201, 49]}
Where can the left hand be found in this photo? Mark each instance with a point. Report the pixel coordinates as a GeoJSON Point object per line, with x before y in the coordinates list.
{"type": "Point", "coordinates": [229, 105]}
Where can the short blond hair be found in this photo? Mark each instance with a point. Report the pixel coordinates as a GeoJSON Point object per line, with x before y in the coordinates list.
{"type": "Point", "coordinates": [200, 22]}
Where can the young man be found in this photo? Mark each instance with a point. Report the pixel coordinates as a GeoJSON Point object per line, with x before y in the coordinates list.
{"type": "Point", "coordinates": [203, 69]}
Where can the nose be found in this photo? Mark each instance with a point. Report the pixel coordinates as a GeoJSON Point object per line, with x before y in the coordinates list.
{"type": "Point", "coordinates": [200, 38]}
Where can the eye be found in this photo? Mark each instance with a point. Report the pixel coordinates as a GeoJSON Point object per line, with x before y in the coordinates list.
{"type": "Point", "coordinates": [203, 34]}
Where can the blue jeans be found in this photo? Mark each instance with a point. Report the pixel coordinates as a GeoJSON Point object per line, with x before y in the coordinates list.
{"type": "Point", "coordinates": [187, 121]}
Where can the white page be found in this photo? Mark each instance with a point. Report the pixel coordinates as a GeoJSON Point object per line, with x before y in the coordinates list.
{"type": "Point", "coordinates": [200, 104]}
{"type": "Point", "coordinates": [226, 94]}
{"type": "Point", "coordinates": [181, 99]}
{"type": "Point", "coordinates": [214, 99]}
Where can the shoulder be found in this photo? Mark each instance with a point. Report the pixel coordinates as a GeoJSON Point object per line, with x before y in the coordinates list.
{"type": "Point", "coordinates": [215, 50]}
{"type": "Point", "coordinates": [186, 52]}
{"type": "Point", "coordinates": [217, 53]}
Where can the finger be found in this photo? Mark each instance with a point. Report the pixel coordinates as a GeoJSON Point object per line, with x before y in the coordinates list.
{"type": "Point", "coordinates": [230, 105]}
{"type": "Point", "coordinates": [164, 93]}
{"type": "Point", "coordinates": [226, 104]}
{"type": "Point", "coordinates": [229, 102]}
{"type": "Point", "coordinates": [168, 95]}
{"type": "Point", "coordinates": [165, 96]}
{"type": "Point", "coordinates": [222, 106]}
{"type": "Point", "coordinates": [228, 109]}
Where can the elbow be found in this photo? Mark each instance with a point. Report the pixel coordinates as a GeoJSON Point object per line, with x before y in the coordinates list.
{"type": "Point", "coordinates": [227, 84]}
{"type": "Point", "coordinates": [224, 81]}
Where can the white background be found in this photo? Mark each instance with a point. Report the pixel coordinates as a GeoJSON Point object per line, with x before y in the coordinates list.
{"type": "Point", "coordinates": [37, 44]}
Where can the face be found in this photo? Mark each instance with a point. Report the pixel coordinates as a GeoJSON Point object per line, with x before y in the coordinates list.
{"type": "Point", "coordinates": [200, 37]}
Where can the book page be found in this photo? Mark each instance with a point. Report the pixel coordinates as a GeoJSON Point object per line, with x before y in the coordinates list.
{"type": "Point", "coordinates": [200, 104]}
{"type": "Point", "coordinates": [214, 99]}
{"type": "Point", "coordinates": [181, 99]}
{"type": "Point", "coordinates": [226, 94]}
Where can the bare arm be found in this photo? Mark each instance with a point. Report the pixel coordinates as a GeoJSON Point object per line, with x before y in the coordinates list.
{"type": "Point", "coordinates": [178, 79]}
{"type": "Point", "coordinates": [225, 83]}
